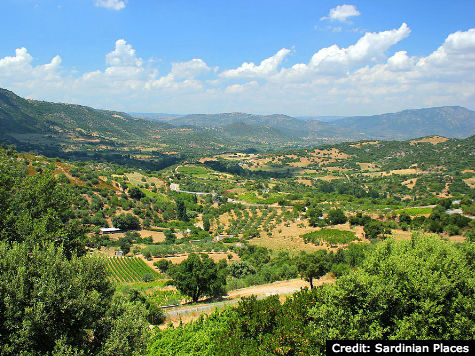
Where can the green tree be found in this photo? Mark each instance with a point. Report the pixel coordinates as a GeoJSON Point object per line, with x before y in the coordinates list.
{"type": "Point", "coordinates": [52, 304]}
{"type": "Point", "coordinates": [170, 237]}
{"type": "Point", "coordinates": [163, 265]}
{"type": "Point", "coordinates": [199, 276]}
{"type": "Point", "coordinates": [314, 215]}
{"type": "Point", "coordinates": [419, 289]}
{"type": "Point", "coordinates": [181, 211]}
{"type": "Point", "coordinates": [241, 269]}
{"type": "Point", "coordinates": [313, 266]}
{"type": "Point", "coordinates": [136, 193]}
{"type": "Point", "coordinates": [336, 216]}
{"type": "Point", "coordinates": [126, 221]}
{"type": "Point", "coordinates": [373, 229]}
{"type": "Point", "coordinates": [206, 223]}
{"type": "Point", "coordinates": [36, 209]}
{"type": "Point", "coordinates": [125, 245]}
{"type": "Point", "coordinates": [404, 218]}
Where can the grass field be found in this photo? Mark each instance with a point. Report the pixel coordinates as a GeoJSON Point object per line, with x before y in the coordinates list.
{"type": "Point", "coordinates": [414, 211]}
{"type": "Point", "coordinates": [148, 193]}
{"type": "Point", "coordinates": [331, 236]}
{"type": "Point", "coordinates": [251, 197]}
{"type": "Point", "coordinates": [193, 170]}
{"type": "Point", "coordinates": [129, 270]}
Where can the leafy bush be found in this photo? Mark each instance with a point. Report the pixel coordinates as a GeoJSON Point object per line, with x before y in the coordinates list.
{"type": "Point", "coordinates": [400, 289]}
{"type": "Point", "coordinates": [126, 222]}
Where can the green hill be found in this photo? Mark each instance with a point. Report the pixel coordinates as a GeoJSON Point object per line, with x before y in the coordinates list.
{"type": "Point", "coordinates": [21, 116]}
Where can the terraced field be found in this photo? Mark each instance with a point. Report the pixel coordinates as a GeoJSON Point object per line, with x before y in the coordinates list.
{"type": "Point", "coordinates": [129, 270]}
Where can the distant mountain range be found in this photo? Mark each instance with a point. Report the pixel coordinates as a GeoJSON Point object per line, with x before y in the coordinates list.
{"type": "Point", "coordinates": [31, 123]}
{"type": "Point", "coordinates": [449, 121]}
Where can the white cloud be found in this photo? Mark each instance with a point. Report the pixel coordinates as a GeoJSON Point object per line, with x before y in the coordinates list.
{"type": "Point", "coordinates": [123, 55]}
{"type": "Point", "coordinates": [400, 61]}
{"type": "Point", "coordinates": [250, 70]}
{"type": "Point", "coordinates": [22, 58]}
{"type": "Point", "coordinates": [341, 13]}
{"type": "Point", "coordinates": [362, 78]}
{"type": "Point", "coordinates": [19, 68]}
{"type": "Point", "coordinates": [459, 45]}
{"type": "Point", "coordinates": [189, 69]}
{"type": "Point", "coordinates": [239, 88]}
{"type": "Point", "coordinates": [110, 4]}
{"type": "Point", "coordinates": [334, 60]}
{"type": "Point", "coordinates": [373, 45]}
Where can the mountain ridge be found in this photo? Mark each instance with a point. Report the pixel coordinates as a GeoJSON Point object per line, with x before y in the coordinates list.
{"type": "Point", "coordinates": [33, 122]}
{"type": "Point", "coordinates": [450, 121]}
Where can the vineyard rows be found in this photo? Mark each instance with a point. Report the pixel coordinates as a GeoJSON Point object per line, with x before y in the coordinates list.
{"type": "Point", "coordinates": [129, 269]}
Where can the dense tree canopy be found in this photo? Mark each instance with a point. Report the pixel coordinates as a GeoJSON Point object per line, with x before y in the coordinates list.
{"type": "Point", "coordinates": [419, 289]}
{"type": "Point", "coordinates": [126, 221]}
{"type": "Point", "coordinates": [53, 305]}
{"type": "Point", "coordinates": [36, 209]}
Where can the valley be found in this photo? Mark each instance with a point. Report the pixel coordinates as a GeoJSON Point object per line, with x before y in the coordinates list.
{"type": "Point", "coordinates": [237, 178]}
{"type": "Point", "coordinates": [262, 217]}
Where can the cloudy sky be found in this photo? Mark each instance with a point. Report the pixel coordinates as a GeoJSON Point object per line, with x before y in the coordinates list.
{"type": "Point", "coordinates": [312, 57]}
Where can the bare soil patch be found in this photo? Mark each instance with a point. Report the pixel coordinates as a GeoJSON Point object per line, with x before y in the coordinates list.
{"type": "Point", "coordinates": [277, 288]}
{"type": "Point", "coordinates": [281, 288]}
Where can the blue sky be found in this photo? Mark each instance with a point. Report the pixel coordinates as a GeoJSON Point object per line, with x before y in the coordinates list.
{"type": "Point", "coordinates": [293, 57]}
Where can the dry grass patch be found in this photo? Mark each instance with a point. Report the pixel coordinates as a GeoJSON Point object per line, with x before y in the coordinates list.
{"type": "Point", "coordinates": [215, 256]}
{"type": "Point", "coordinates": [410, 183]}
{"type": "Point", "coordinates": [157, 236]}
{"type": "Point", "coordinates": [433, 139]}
{"type": "Point", "coordinates": [367, 166]}
{"type": "Point", "coordinates": [470, 182]}
{"type": "Point", "coordinates": [328, 178]}
{"type": "Point", "coordinates": [360, 144]}
{"type": "Point", "coordinates": [136, 178]}
{"type": "Point", "coordinates": [306, 182]}
{"type": "Point", "coordinates": [406, 171]}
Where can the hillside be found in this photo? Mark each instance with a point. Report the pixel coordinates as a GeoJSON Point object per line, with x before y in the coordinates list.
{"type": "Point", "coordinates": [253, 133]}
{"type": "Point", "coordinates": [448, 121]}
{"type": "Point", "coordinates": [81, 132]}
{"type": "Point", "coordinates": [22, 116]}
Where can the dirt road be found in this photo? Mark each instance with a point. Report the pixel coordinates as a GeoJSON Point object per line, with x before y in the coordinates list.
{"type": "Point", "coordinates": [281, 288]}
